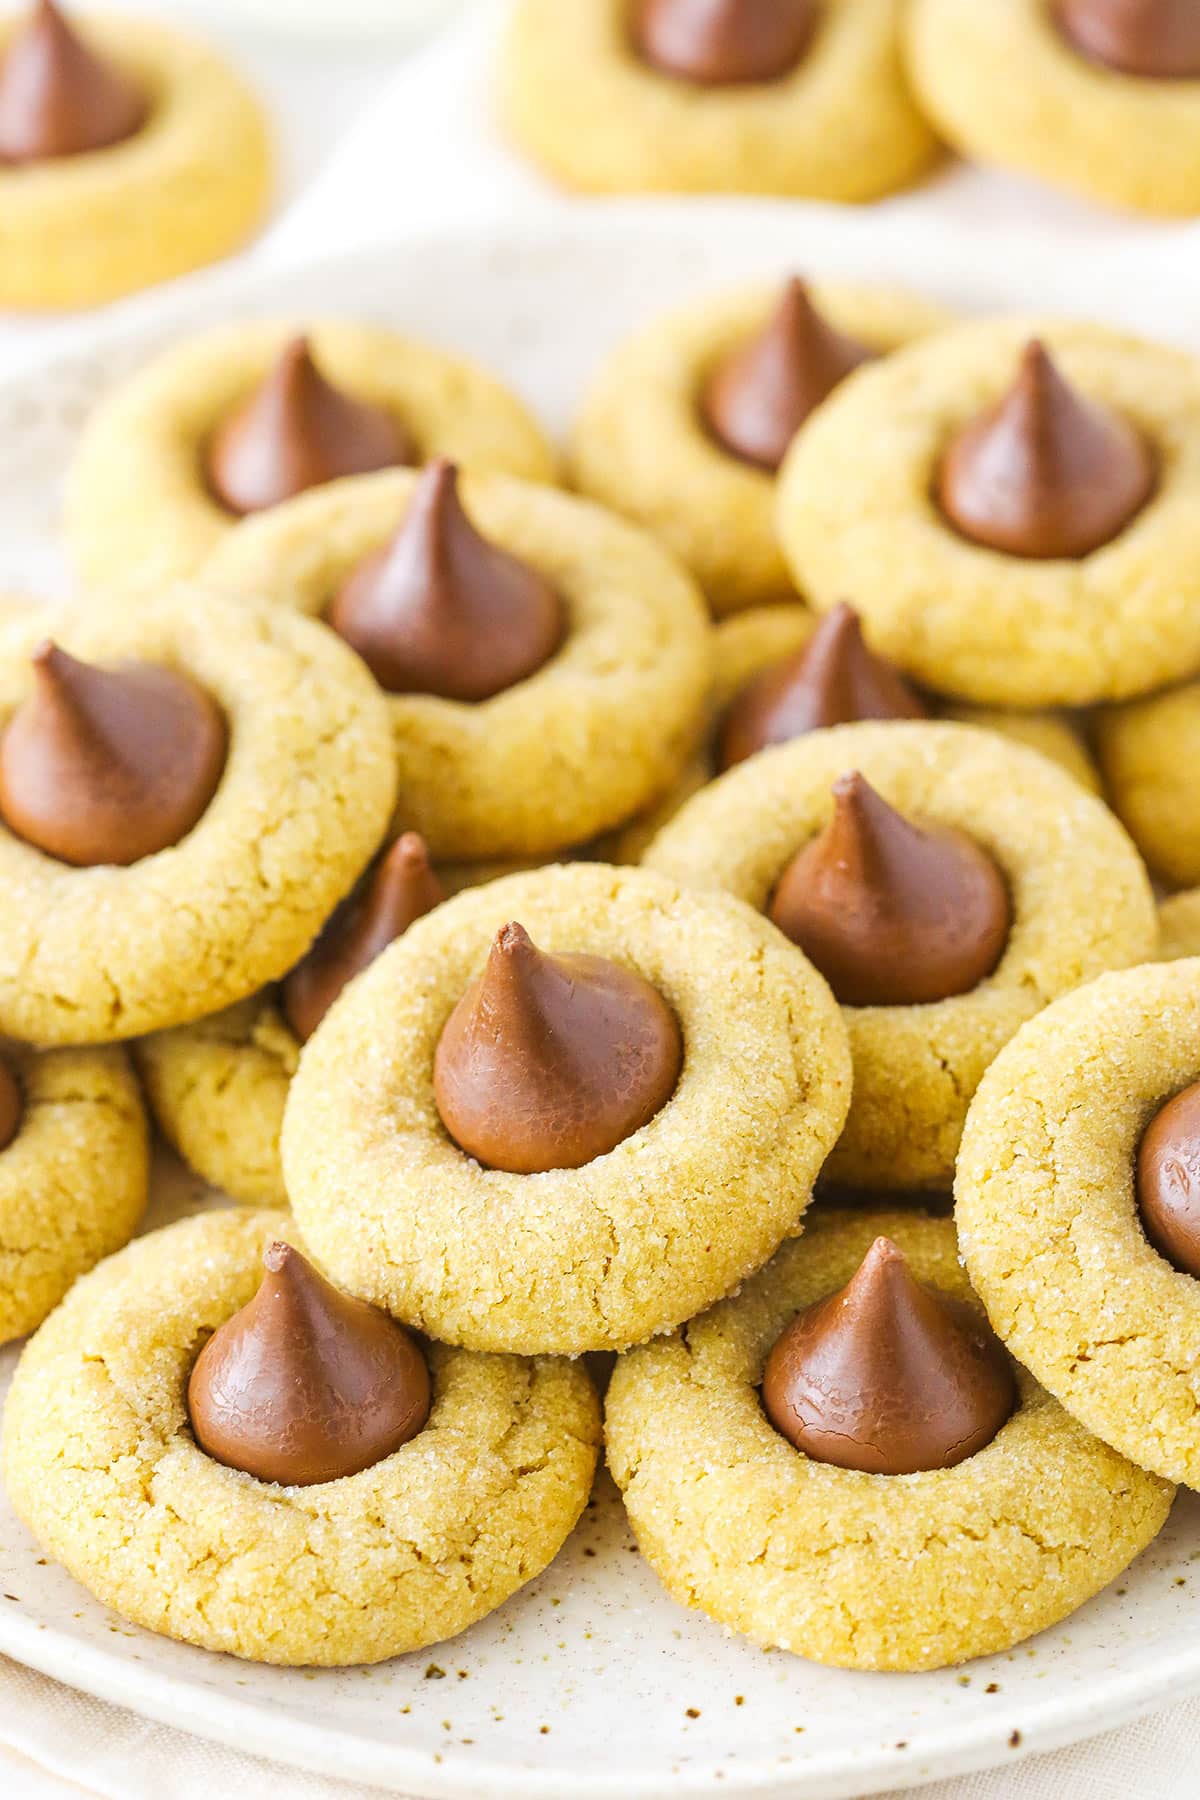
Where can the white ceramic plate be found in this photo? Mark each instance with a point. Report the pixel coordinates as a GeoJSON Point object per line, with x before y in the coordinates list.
{"type": "Point", "coordinates": [592, 1682]}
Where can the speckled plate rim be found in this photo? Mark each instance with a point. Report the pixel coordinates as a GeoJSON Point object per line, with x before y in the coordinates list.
{"type": "Point", "coordinates": [1007, 272]}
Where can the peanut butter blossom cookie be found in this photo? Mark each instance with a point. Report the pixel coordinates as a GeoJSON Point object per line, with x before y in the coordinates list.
{"type": "Point", "coordinates": [686, 424]}
{"type": "Point", "coordinates": [73, 1173]}
{"type": "Point", "coordinates": [246, 417]}
{"type": "Point", "coordinates": [1078, 1205]}
{"type": "Point", "coordinates": [129, 153]}
{"type": "Point", "coordinates": [782, 672]}
{"type": "Point", "coordinates": [186, 791]}
{"type": "Point", "coordinates": [545, 665]}
{"type": "Point", "coordinates": [1013, 507]}
{"type": "Point", "coordinates": [947, 883]}
{"type": "Point", "coordinates": [841, 1461]}
{"type": "Point", "coordinates": [519, 1127]}
{"type": "Point", "coordinates": [1099, 96]}
{"type": "Point", "coordinates": [1147, 751]}
{"type": "Point", "coordinates": [313, 1486]}
{"type": "Point", "coordinates": [706, 96]}
{"type": "Point", "coordinates": [218, 1087]}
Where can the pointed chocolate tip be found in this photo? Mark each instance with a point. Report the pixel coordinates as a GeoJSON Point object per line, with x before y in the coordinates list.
{"type": "Point", "coordinates": [550, 1061]}
{"type": "Point", "coordinates": [277, 1255]}
{"type": "Point", "coordinates": [58, 97]}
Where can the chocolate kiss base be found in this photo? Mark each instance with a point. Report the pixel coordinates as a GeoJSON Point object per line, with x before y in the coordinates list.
{"type": "Point", "coordinates": [402, 888]}
{"type": "Point", "coordinates": [833, 680]}
{"type": "Point", "coordinates": [305, 1384]}
{"type": "Point", "coordinates": [550, 1061]}
{"type": "Point", "coordinates": [58, 98]}
{"type": "Point", "coordinates": [890, 913]}
{"type": "Point", "coordinates": [1168, 1181]}
{"type": "Point", "coordinates": [1156, 39]}
{"type": "Point", "coordinates": [888, 1376]}
{"type": "Point", "coordinates": [295, 432]}
{"type": "Point", "coordinates": [1047, 473]}
{"type": "Point", "coordinates": [757, 398]}
{"type": "Point", "coordinates": [717, 43]}
{"type": "Point", "coordinates": [104, 766]}
{"type": "Point", "coordinates": [442, 611]}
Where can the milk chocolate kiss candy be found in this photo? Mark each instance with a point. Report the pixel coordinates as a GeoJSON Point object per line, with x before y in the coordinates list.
{"type": "Point", "coordinates": [549, 1061]}
{"type": "Point", "coordinates": [891, 913]}
{"type": "Point", "coordinates": [109, 765]}
{"type": "Point", "coordinates": [297, 431]}
{"type": "Point", "coordinates": [440, 610]}
{"type": "Point", "coordinates": [887, 1375]}
{"type": "Point", "coordinates": [11, 1106]}
{"type": "Point", "coordinates": [718, 42]}
{"type": "Point", "coordinates": [58, 98]}
{"type": "Point", "coordinates": [306, 1384]}
{"type": "Point", "coordinates": [833, 680]}
{"type": "Point", "coordinates": [1139, 37]}
{"type": "Point", "coordinates": [1168, 1181]}
{"type": "Point", "coordinates": [757, 399]}
{"type": "Point", "coordinates": [401, 889]}
{"type": "Point", "coordinates": [1046, 472]}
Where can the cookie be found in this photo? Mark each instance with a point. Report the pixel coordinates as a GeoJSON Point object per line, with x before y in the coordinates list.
{"type": "Point", "coordinates": [1079, 898]}
{"type": "Point", "coordinates": [641, 445]}
{"type": "Point", "coordinates": [601, 1253]}
{"type": "Point", "coordinates": [74, 1169]}
{"type": "Point", "coordinates": [1108, 133]}
{"type": "Point", "coordinates": [860, 1570]}
{"type": "Point", "coordinates": [140, 508]}
{"type": "Point", "coordinates": [1179, 925]}
{"type": "Point", "coordinates": [1146, 751]}
{"type": "Point", "coordinates": [304, 789]}
{"type": "Point", "coordinates": [102, 1465]}
{"type": "Point", "coordinates": [859, 513]}
{"type": "Point", "coordinates": [750, 644]}
{"type": "Point", "coordinates": [839, 124]}
{"type": "Point", "coordinates": [552, 759]}
{"type": "Point", "coordinates": [186, 184]}
{"type": "Point", "coordinates": [1049, 1203]}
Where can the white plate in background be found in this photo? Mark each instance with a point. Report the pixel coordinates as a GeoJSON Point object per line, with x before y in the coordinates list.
{"type": "Point", "coordinates": [592, 1683]}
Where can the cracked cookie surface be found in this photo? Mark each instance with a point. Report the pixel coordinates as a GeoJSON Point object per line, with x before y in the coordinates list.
{"type": "Point", "coordinates": [857, 516]}
{"type": "Point", "coordinates": [138, 510]}
{"type": "Point", "coordinates": [101, 1464]}
{"type": "Point", "coordinates": [74, 1179]}
{"type": "Point", "coordinates": [1048, 1220]}
{"type": "Point", "coordinates": [640, 444]}
{"type": "Point", "coordinates": [188, 187]}
{"type": "Point", "coordinates": [578, 745]}
{"type": "Point", "coordinates": [1080, 898]}
{"type": "Point", "coordinates": [95, 954]}
{"type": "Point", "coordinates": [841, 126]}
{"type": "Point", "coordinates": [862, 1571]}
{"type": "Point", "coordinates": [580, 1259]}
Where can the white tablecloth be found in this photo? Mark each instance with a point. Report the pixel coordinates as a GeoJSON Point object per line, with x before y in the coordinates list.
{"type": "Point", "coordinates": [344, 184]}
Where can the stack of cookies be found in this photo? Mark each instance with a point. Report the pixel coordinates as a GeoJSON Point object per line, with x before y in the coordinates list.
{"type": "Point", "coordinates": [611, 920]}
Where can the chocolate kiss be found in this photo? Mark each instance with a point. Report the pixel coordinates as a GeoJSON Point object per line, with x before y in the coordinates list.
{"type": "Point", "coordinates": [717, 42]}
{"type": "Point", "coordinates": [297, 431]}
{"type": "Point", "coordinates": [1046, 472]}
{"type": "Point", "coordinates": [887, 1375]}
{"type": "Point", "coordinates": [892, 915]}
{"type": "Point", "coordinates": [402, 888]}
{"type": "Point", "coordinates": [441, 611]}
{"type": "Point", "coordinates": [549, 1061]}
{"type": "Point", "coordinates": [1138, 37]}
{"type": "Point", "coordinates": [306, 1384]}
{"type": "Point", "coordinates": [57, 98]}
{"type": "Point", "coordinates": [11, 1106]}
{"type": "Point", "coordinates": [757, 399]}
{"type": "Point", "coordinates": [109, 765]}
{"type": "Point", "coordinates": [1168, 1181]}
{"type": "Point", "coordinates": [833, 680]}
